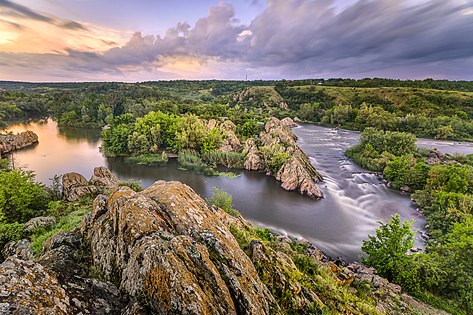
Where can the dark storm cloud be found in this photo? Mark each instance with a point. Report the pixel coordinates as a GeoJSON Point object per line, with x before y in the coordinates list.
{"type": "Point", "coordinates": [72, 25]}
{"type": "Point", "coordinates": [18, 10]}
{"type": "Point", "coordinates": [365, 36]}
{"type": "Point", "coordinates": [310, 36]}
{"type": "Point", "coordinates": [24, 11]}
{"type": "Point", "coordinates": [297, 38]}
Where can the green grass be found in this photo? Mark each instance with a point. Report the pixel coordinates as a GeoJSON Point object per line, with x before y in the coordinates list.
{"type": "Point", "coordinates": [69, 216]}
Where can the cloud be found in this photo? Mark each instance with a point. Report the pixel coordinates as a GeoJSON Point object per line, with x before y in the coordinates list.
{"type": "Point", "coordinates": [24, 11]}
{"type": "Point", "coordinates": [297, 38]}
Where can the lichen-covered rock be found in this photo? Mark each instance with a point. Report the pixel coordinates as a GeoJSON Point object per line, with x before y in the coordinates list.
{"type": "Point", "coordinates": [103, 178]}
{"type": "Point", "coordinates": [293, 176]}
{"type": "Point", "coordinates": [231, 142]}
{"type": "Point", "coordinates": [281, 275]}
{"type": "Point", "coordinates": [38, 222]}
{"type": "Point", "coordinates": [75, 185]}
{"type": "Point", "coordinates": [26, 287]}
{"type": "Point", "coordinates": [22, 249]}
{"type": "Point", "coordinates": [296, 172]}
{"type": "Point", "coordinates": [11, 142]}
{"type": "Point", "coordinates": [65, 257]}
{"type": "Point", "coordinates": [166, 245]}
{"type": "Point", "coordinates": [288, 122]}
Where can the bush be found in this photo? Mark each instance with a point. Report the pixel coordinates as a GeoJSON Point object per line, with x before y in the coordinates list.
{"type": "Point", "coordinates": [20, 197]}
{"type": "Point", "coordinates": [10, 232]}
{"type": "Point", "coordinates": [223, 200]}
{"type": "Point", "coordinates": [227, 159]}
{"type": "Point", "coordinates": [387, 251]}
{"type": "Point", "coordinates": [190, 160]}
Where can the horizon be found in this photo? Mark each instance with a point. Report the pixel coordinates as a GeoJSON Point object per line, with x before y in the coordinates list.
{"type": "Point", "coordinates": [116, 41]}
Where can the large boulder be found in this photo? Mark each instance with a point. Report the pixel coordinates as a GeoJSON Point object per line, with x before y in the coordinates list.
{"type": "Point", "coordinates": [166, 246]}
{"type": "Point", "coordinates": [103, 178]}
{"type": "Point", "coordinates": [21, 249]}
{"type": "Point", "coordinates": [11, 142]}
{"type": "Point", "coordinates": [43, 222]}
{"type": "Point", "coordinates": [26, 287]}
{"type": "Point", "coordinates": [74, 186]}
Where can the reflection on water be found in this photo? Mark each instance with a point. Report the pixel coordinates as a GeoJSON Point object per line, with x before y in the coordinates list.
{"type": "Point", "coordinates": [355, 200]}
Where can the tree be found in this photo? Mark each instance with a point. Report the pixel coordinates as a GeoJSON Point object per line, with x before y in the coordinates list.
{"type": "Point", "coordinates": [191, 132]}
{"type": "Point", "coordinates": [387, 251]}
{"type": "Point", "coordinates": [20, 197]}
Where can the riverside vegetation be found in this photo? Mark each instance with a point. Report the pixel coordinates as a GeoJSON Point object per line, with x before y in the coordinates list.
{"type": "Point", "coordinates": [442, 188]}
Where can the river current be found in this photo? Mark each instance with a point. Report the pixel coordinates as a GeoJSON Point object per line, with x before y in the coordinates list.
{"type": "Point", "coordinates": [355, 199]}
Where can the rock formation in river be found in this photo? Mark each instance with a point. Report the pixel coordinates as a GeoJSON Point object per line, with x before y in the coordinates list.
{"type": "Point", "coordinates": [277, 139]}
{"type": "Point", "coordinates": [11, 142]}
{"type": "Point", "coordinates": [165, 251]}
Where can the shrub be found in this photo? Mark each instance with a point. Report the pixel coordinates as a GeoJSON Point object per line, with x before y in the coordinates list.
{"type": "Point", "coordinates": [223, 200]}
{"type": "Point", "coordinates": [149, 159]}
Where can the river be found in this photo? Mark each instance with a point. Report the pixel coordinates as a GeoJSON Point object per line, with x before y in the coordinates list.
{"type": "Point", "coordinates": [355, 200]}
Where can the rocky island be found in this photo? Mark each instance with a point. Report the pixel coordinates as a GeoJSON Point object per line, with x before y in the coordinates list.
{"type": "Point", "coordinates": [11, 142]}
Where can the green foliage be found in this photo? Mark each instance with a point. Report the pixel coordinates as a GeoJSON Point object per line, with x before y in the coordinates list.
{"type": "Point", "coordinates": [212, 141]}
{"type": "Point", "coordinates": [70, 218]}
{"type": "Point", "coordinates": [227, 159]}
{"type": "Point", "coordinates": [223, 200]}
{"type": "Point", "coordinates": [191, 132]}
{"type": "Point", "coordinates": [190, 160]}
{"type": "Point", "coordinates": [149, 159]}
{"type": "Point", "coordinates": [451, 178]}
{"type": "Point", "coordinates": [406, 171]}
{"type": "Point", "coordinates": [20, 197]}
{"type": "Point", "coordinates": [274, 158]}
{"type": "Point", "coordinates": [132, 184]}
{"type": "Point", "coordinates": [10, 232]}
{"type": "Point", "coordinates": [387, 251]}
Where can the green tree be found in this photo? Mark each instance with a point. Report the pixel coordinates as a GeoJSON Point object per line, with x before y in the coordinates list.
{"type": "Point", "coordinates": [191, 132]}
{"type": "Point", "coordinates": [20, 197]}
{"type": "Point", "coordinates": [387, 251]}
{"type": "Point", "coordinates": [212, 141]}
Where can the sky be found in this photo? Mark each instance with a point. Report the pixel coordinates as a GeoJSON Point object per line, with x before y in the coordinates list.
{"type": "Point", "coordinates": [143, 40]}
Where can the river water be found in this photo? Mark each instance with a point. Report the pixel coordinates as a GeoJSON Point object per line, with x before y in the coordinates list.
{"type": "Point", "coordinates": [355, 200]}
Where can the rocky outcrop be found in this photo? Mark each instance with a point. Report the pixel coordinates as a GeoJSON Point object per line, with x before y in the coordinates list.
{"type": "Point", "coordinates": [38, 222]}
{"type": "Point", "coordinates": [296, 173]}
{"type": "Point", "coordinates": [293, 176]}
{"type": "Point", "coordinates": [21, 249]}
{"type": "Point", "coordinates": [11, 142]}
{"type": "Point", "coordinates": [75, 185]}
{"type": "Point", "coordinates": [26, 287]}
{"type": "Point", "coordinates": [165, 251]}
{"type": "Point", "coordinates": [188, 261]}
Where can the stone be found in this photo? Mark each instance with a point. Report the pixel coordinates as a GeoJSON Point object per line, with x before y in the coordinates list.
{"type": "Point", "coordinates": [22, 249]}
{"type": "Point", "coordinates": [102, 177]}
{"type": "Point", "coordinates": [11, 142]}
{"type": "Point", "coordinates": [75, 185]}
{"type": "Point", "coordinates": [26, 287]}
{"type": "Point", "coordinates": [293, 176]}
{"type": "Point", "coordinates": [167, 246]}
{"type": "Point", "coordinates": [43, 222]}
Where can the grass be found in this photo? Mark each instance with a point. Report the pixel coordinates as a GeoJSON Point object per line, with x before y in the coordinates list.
{"type": "Point", "coordinates": [69, 216]}
{"type": "Point", "coordinates": [149, 159]}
